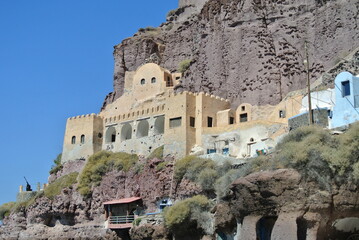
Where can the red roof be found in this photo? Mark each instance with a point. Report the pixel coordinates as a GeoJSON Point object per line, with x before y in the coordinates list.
{"type": "Point", "coordinates": [123, 200]}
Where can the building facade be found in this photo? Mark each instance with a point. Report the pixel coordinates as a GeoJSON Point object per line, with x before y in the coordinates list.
{"type": "Point", "coordinates": [150, 114]}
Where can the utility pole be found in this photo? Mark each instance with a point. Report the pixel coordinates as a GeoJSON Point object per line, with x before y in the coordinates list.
{"type": "Point", "coordinates": [306, 63]}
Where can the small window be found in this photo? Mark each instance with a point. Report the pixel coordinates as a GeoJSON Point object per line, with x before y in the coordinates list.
{"type": "Point", "coordinates": [209, 122]}
{"type": "Point", "coordinates": [143, 81]}
{"type": "Point", "coordinates": [231, 120]}
{"type": "Point", "coordinates": [153, 80]}
{"type": "Point", "coordinates": [82, 139]}
{"type": "Point", "coordinates": [73, 140]}
{"type": "Point", "coordinates": [243, 117]}
{"type": "Point", "coordinates": [345, 88]}
{"type": "Point", "coordinates": [113, 137]}
{"type": "Point", "coordinates": [209, 151]}
{"type": "Point", "coordinates": [243, 108]}
{"type": "Point", "coordinates": [99, 135]}
{"type": "Point", "coordinates": [281, 114]}
{"type": "Point", "coordinates": [175, 122]}
{"type": "Point", "coordinates": [169, 82]}
{"type": "Point", "coordinates": [192, 122]}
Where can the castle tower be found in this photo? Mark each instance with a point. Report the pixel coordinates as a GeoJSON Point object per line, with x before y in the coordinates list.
{"type": "Point", "coordinates": [83, 137]}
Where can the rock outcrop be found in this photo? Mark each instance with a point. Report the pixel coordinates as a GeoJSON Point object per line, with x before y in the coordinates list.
{"type": "Point", "coordinates": [71, 215]}
{"type": "Point", "coordinates": [247, 51]}
{"type": "Point", "coordinates": [285, 205]}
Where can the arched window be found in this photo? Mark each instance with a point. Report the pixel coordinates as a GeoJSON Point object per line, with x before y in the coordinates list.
{"type": "Point", "coordinates": [73, 140]}
{"type": "Point", "coordinates": [126, 132]}
{"type": "Point", "coordinates": [111, 135]}
{"type": "Point", "coordinates": [143, 81]}
{"type": "Point", "coordinates": [153, 80]}
{"type": "Point", "coordinates": [82, 139]}
{"type": "Point", "coordinates": [142, 129]}
{"type": "Point", "coordinates": [159, 125]}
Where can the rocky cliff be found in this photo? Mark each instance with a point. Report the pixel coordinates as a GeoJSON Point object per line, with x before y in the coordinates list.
{"type": "Point", "coordinates": [245, 50]}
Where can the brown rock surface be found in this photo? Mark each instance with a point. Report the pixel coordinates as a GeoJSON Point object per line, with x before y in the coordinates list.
{"type": "Point", "coordinates": [247, 51]}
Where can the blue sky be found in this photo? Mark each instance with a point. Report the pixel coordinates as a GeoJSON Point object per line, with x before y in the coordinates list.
{"type": "Point", "coordinates": [56, 62]}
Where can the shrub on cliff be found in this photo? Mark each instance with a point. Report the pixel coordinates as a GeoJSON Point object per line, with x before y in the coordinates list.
{"type": "Point", "coordinates": [184, 65]}
{"type": "Point", "coordinates": [6, 209]}
{"type": "Point", "coordinates": [157, 153]}
{"type": "Point", "coordinates": [318, 155]}
{"type": "Point", "coordinates": [189, 214]}
{"type": "Point", "coordinates": [56, 186]}
{"type": "Point", "coordinates": [101, 163]}
{"type": "Point", "coordinates": [58, 166]}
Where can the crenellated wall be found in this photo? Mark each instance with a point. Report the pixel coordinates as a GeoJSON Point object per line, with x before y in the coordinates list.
{"type": "Point", "coordinates": [83, 137]}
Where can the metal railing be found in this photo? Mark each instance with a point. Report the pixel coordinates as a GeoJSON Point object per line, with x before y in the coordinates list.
{"type": "Point", "coordinates": [121, 219]}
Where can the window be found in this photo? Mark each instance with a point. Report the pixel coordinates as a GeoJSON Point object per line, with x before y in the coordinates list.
{"type": "Point", "coordinates": [231, 120]}
{"type": "Point", "coordinates": [243, 108]}
{"type": "Point", "coordinates": [243, 117]}
{"type": "Point", "coordinates": [345, 88]}
{"type": "Point", "coordinates": [73, 140]}
{"type": "Point", "coordinates": [159, 125]}
{"type": "Point", "coordinates": [192, 122]}
{"type": "Point", "coordinates": [142, 129]}
{"type": "Point", "coordinates": [99, 135]}
{"type": "Point", "coordinates": [143, 81]}
{"type": "Point", "coordinates": [153, 80]}
{"type": "Point", "coordinates": [126, 132]}
{"type": "Point", "coordinates": [209, 151]}
{"type": "Point", "coordinates": [175, 122]}
{"type": "Point", "coordinates": [111, 135]}
{"type": "Point", "coordinates": [209, 122]}
{"type": "Point", "coordinates": [281, 114]}
{"type": "Point", "coordinates": [82, 139]}
{"type": "Point", "coordinates": [169, 82]}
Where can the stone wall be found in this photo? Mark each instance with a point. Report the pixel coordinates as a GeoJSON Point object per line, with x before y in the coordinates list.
{"type": "Point", "coordinates": [320, 117]}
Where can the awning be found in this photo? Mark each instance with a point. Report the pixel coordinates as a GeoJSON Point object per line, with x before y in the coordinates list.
{"type": "Point", "coordinates": [122, 201]}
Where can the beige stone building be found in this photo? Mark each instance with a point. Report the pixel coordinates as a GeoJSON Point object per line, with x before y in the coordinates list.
{"type": "Point", "coordinates": [149, 115]}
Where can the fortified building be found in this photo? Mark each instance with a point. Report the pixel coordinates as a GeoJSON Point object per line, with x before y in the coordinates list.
{"type": "Point", "coordinates": [150, 114]}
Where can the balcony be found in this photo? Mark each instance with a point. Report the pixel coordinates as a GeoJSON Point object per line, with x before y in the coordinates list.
{"type": "Point", "coordinates": [120, 222]}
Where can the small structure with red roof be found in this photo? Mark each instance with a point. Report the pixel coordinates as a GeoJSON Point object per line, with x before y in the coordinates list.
{"type": "Point", "coordinates": [121, 213]}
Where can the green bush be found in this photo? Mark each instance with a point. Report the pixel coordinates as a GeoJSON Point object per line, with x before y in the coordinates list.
{"type": "Point", "coordinates": [171, 12]}
{"type": "Point", "coordinates": [161, 166]}
{"type": "Point", "coordinates": [206, 178]}
{"type": "Point", "coordinates": [101, 163]}
{"type": "Point", "coordinates": [6, 209]}
{"type": "Point", "coordinates": [56, 186]}
{"type": "Point", "coordinates": [157, 153]}
{"type": "Point", "coordinates": [191, 166]}
{"type": "Point", "coordinates": [188, 214]}
{"type": "Point", "coordinates": [58, 166]}
{"type": "Point", "coordinates": [184, 65]}
{"type": "Point", "coordinates": [137, 222]}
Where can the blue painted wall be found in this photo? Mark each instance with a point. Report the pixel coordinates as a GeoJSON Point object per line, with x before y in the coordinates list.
{"type": "Point", "coordinates": [346, 109]}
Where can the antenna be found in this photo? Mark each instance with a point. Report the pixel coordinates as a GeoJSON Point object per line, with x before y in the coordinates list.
{"type": "Point", "coordinates": [306, 63]}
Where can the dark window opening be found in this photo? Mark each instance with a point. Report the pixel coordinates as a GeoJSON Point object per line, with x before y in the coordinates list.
{"type": "Point", "coordinates": [243, 117]}
{"type": "Point", "coordinates": [209, 151]}
{"type": "Point", "coordinates": [281, 114]}
{"type": "Point", "coordinates": [345, 88]}
{"type": "Point", "coordinates": [243, 108]}
{"type": "Point", "coordinates": [302, 227]}
{"type": "Point", "coordinates": [264, 227]}
{"type": "Point", "coordinates": [178, 78]}
{"type": "Point", "coordinates": [169, 82]}
{"type": "Point", "coordinates": [209, 122]}
{"type": "Point", "coordinates": [175, 122]}
{"type": "Point", "coordinates": [73, 140]}
{"type": "Point", "coordinates": [192, 122]}
{"type": "Point", "coordinates": [231, 120]}
{"type": "Point", "coordinates": [153, 80]}
{"type": "Point", "coordinates": [113, 138]}
{"type": "Point", "coordinates": [99, 135]}
{"type": "Point", "coordinates": [82, 139]}
{"type": "Point", "coordinates": [143, 81]}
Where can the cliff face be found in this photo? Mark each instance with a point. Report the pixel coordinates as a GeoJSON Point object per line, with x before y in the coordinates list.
{"type": "Point", "coordinates": [69, 215]}
{"type": "Point", "coordinates": [245, 50]}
